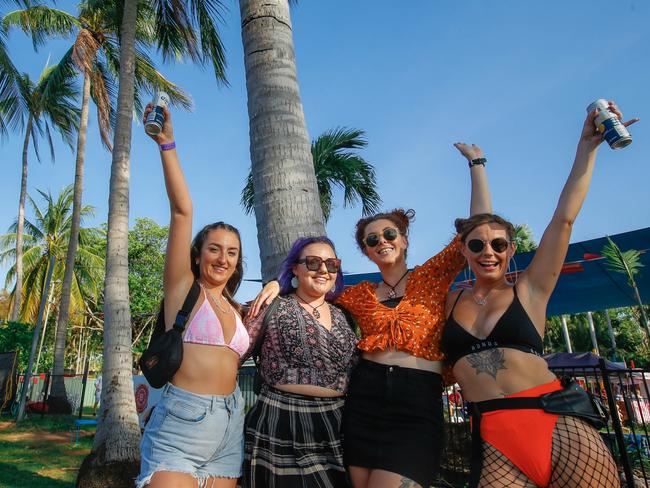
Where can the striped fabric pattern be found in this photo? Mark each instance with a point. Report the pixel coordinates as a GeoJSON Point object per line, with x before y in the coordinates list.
{"type": "Point", "coordinates": [293, 441]}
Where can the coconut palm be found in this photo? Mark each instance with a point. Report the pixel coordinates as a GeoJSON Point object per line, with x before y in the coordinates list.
{"type": "Point", "coordinates": [287, 201]}
{"type": "Point", "coordinates": [627, 263]}
{"type": "Point", "coordinates": [94, 54]}
{"type": "Point", "coordinates": [335, 164]}
{"type": "Point", "coordinates": [181, 29]}
{"type": "Point", "coordinates": [524, 238]}
{"type": "Point", "coordinates": [46, 240]}
{"type": "Point", "coordinates": [40, 106]}
{"type": "Point", "coordinates": [8, 88]}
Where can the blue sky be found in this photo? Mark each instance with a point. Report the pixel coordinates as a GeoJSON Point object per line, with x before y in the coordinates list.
{"type": "Point", "coordinates": [512, 76]}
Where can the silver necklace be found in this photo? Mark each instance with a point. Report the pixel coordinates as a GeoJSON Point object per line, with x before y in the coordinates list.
{"type": "Point", "coordinates": [314, 310]}
{"type": "Point", "coordinates": [392, 293]}
{"type": "Point", "coordinates": [216, 304]}
{"type": "Point", "coordinates": [481, 301]}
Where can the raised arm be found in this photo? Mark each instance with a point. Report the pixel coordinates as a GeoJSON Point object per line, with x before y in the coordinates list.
{"type": "Point", "coordinates": [178, 273]}
{"type": "Point", "coordinates": [542, 274]}
{"type": "Point", "coordinates": [480, 201]}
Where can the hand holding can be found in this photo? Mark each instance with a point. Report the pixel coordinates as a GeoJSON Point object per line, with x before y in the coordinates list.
{"type": "Point", "coordinates": [609, 125]}
{"type": "Point", "coordinates": [155, 119]}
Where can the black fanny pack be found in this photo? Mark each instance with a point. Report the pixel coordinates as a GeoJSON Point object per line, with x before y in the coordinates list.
{"type": "Point", "coordinates": [571, 400]}
{"type": "Point", "coordinates": [164, 354]}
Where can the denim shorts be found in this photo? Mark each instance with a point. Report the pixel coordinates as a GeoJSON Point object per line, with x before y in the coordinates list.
{"type": "Point", "coordinates": [202, 435]}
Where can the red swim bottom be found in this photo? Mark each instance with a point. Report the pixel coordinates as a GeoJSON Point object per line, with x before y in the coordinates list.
{"type": "Point", "coordinates": [525, 436]}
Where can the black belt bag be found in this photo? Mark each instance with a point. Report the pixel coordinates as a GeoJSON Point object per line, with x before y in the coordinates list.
{"type": "Point", "coordinates": [571, 400]}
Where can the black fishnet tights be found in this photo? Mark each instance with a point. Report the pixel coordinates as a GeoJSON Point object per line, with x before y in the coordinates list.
{"type": "Point", "coordinates": [579, 459]}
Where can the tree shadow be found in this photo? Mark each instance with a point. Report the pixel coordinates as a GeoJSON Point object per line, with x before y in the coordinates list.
{"type": "Point", "coordinates": [12, 477]}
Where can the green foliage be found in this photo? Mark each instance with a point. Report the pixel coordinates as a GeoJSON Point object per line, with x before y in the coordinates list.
{"type": "Point", "coordinates": [336, 165]}
{"type": "Point", "coordinates": [627, 263]}
{"type": "Point", "coordinates": [524, 238]}
{"type": "Point", "coordinates": [147, 243]}
{"type": "Point", "coordinates": [15, 336]}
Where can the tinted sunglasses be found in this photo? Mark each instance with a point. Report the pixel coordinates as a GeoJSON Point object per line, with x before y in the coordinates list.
{"type": "Point", "coordinates": [314, 263]}
{"type": "Point", "coordinates": [498, 244]}
{"type": "Point", "coordinates": [389, 234]}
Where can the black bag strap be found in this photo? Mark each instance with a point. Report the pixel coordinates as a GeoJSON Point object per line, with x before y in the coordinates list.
{"type": "Point", "coordinates": [185, 311]}
{"type": "Point", "coordinates": [257, 349]}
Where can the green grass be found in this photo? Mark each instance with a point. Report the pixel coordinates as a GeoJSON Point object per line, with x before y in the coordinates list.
{"type": "Point", "coordinates": [40, 453]}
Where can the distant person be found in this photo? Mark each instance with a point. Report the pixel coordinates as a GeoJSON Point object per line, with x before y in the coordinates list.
{"type": "Point", "coordinates": [195, 433]}
{"type": "Point", "coordinates": [98, 393]}
{"type": "Point", "coordinates": [493, 338]}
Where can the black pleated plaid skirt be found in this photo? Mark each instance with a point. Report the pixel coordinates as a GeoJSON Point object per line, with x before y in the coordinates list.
{"type": "Point", "coordinates": [293, 441]}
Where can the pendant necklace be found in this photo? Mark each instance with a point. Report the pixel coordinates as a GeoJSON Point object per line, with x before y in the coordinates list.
{"type": "Point", "coordinates": [216, 303]}
{"type": "Point", "coordinates": [392, 293]}
{"type": "Point", "coordinates": [314, 310]}
{"type": "Point", "coordinates": [481, 301]}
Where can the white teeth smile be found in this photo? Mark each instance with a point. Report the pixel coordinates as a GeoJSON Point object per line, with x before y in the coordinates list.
{"type": "Point", "coordinates": [385, 250]}
{"type": "Point", "coordinates": [486, 264]}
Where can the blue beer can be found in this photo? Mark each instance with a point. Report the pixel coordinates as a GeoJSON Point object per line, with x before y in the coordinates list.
{"type": "Point", "coordinates": [154, 123]}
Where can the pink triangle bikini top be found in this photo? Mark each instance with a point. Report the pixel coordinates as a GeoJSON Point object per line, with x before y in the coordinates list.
{"type": "Point", "coordinates": [205, 328]}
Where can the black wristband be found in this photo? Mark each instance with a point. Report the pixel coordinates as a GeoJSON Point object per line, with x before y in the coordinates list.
{"type": "Point", "coordinates": [477, 161]}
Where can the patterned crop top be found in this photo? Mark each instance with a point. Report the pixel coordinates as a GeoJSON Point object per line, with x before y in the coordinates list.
{"type": "Point", "coordinates": [414, 326]}
{"type": "Point", "coordinates": [298, 350]}
{"type": "Point", "coordinates": [205, 328]}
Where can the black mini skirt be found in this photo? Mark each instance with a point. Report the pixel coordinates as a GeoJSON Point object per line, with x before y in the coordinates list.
{"type": "Point", "coordinates": [393, 421]}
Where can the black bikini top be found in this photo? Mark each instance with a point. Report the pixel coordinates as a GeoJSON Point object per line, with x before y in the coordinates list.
{"type": "Point", "coordinates": [513, 330]}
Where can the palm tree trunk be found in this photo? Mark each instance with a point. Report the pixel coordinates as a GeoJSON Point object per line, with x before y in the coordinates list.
{"type": "Point", "coordinates": [15, 310]}
{"type": "Point", "coordinates": [37, 329]}
{"type": "Point", "coordinates": [115, 453]}
{"type": "Point", "coordinates": [45, 320]}
{"type": "Point", "coordinates": [58, 400]}
{"type": "Point", "coordinates": [287, 204]}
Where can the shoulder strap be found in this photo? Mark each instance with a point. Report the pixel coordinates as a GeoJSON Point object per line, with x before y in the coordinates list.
{"type": "Point", "coordinates": [185, 311]}
{"type": "Point", "coordinates": [456, 301]}
{"type": "Point", "coordinates": [257, 350]}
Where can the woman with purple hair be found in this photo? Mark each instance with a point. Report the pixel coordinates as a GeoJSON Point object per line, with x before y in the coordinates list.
{"type": "Point", "coordinates": [308, 348]}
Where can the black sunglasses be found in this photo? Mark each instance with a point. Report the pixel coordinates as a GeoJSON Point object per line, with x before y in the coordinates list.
{"type": "Point", "coordinates": [313, 263]}
{"type": "Point", "coordinates": [498, 244]}
{"type": "Point", "coordinates": [389, 234]}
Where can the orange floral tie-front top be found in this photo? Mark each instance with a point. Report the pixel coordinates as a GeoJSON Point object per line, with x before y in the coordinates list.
{"type": "Point", "coordinates": [415, 325]}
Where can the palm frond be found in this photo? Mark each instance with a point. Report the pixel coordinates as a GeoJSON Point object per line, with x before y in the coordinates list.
{"type": "Point", "coordinates": [248, 195]}
{"type": "Point", "coordinates": [41, 23]}
{"type": "Point", "coordinates": [627, 262]}
{"type": "Point", "coordinates": [103, 94]}
{"type": "Point", "coordinates": [11, 113]}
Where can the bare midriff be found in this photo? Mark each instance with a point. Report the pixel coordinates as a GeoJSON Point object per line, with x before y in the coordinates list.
{"type": "Point", "coordinates": [404, 360]}
{"type": "Point", "coordinates": [207, 369]}
{"type": "Point", "coordinates": [519, 371]}
{"type": "Point", "coordinates": [309, 390]}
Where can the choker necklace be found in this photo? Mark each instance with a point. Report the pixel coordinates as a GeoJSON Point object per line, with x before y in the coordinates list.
{"type": "Point", "coordinates": [216, 303]}
{"type": "Point", "coordinates": [392, 293]}
{"type": "Point", "coordinates": [314, 310]}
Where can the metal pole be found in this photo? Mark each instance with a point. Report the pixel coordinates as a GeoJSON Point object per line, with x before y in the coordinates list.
{"type": "Point", "coordinates": [83, 387]}
{"type": "Point", "coordinates": [592, 332]}
{"type": "Point", "coordinates": [565, 332]}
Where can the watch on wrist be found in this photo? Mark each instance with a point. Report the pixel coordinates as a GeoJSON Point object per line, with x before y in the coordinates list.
{"type": "Point", "coordinates": [477, 161]}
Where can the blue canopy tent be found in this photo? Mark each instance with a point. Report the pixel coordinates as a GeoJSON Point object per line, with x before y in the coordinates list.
{"type": "Point", "coordinates": [570, 360]}
{"type": "Point", "coordinates": [585, 283]}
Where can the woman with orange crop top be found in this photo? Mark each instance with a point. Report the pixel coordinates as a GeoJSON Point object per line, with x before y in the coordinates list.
{"type": "Point", "coordinates": [393, 412]}
{"type": "Point", "coordinates": [195, 433]}
{"type": "Point", "coordinates": [493, 338]}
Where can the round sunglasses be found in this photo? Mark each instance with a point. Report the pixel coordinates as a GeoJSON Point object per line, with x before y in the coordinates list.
{"type": "Point", "coordinates": [390, 234]}
{"type": "Point", "coordinates": [314, 263]}
{"type": "Point", "coordinates": [499, 244]}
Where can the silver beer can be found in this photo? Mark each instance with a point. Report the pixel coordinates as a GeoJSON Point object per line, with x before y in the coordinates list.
{"type": "Point", "coordinates": [154, 123]}
{"type": "Point", "coordinates": [608, 124]}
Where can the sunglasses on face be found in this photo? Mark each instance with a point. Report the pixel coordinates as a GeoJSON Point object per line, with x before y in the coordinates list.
{"type": "Point", "coordinates": [314, 263]}
{"type": "Point", "coordinates": [389, 234]}
{"type": "Point", "coordinates": [498, 244]}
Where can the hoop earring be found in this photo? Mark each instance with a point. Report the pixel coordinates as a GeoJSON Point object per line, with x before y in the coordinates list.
{"type": "Point", "coordinates": [468, 276]}
{"type": "Point", "coordinates": [294, 282]}
{"type": "Point", "coordinates": [516, 272]}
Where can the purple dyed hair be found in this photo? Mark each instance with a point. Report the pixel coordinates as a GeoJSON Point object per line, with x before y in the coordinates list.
{"type": "Point", "coordinates": [286, 273]}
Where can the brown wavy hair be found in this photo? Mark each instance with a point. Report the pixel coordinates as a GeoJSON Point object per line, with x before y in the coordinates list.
{"type": "Point", "coordinates": [398, 216]}
{"type": "Point", "coordinates": [235, 280]}
{"type": "Point", "coordinates": [465, 226]}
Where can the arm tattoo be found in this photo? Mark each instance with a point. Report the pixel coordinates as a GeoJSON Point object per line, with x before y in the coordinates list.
{"type": "Point", "coordinates": [407, 483]}
{"type": "Point", "coordinates": [490, 362]}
